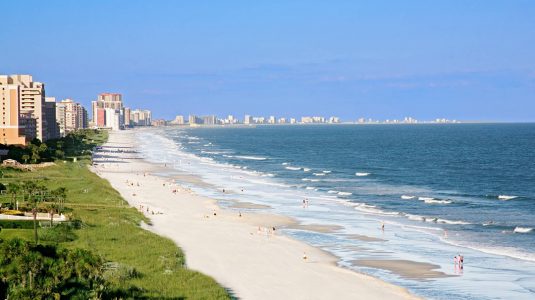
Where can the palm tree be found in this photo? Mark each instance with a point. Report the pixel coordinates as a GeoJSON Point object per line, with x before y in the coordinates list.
{"type": "Point", "coordinates": [28, 187]}
{"type": "Point", "coordinates": [60, 194]}
{"type": "Point", "coordinates": [13, 189]}
{"type": "Point", "coordinates": [25, 157]}
{"type": "Point", "coordinates": [36, 194]}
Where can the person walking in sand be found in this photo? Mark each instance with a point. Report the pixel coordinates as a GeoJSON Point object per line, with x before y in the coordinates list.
{"type": "Point", "coordinates": [383, 226]}
{"type": "Point", "coordinates": [305, 256]}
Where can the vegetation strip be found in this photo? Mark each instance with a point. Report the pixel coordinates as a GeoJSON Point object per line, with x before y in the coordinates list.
{"type": "Point", "coordinates": [100, 251]}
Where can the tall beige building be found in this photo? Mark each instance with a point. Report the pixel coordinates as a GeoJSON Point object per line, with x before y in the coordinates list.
{"type": "Point", "coordinates": [108, 111]}
{"type": "Point", "coordinates": [71, 116]}
{"type": "Point", "coordinates": [23, 110]}
{"type": "Point", "coordinates": [140, 117]}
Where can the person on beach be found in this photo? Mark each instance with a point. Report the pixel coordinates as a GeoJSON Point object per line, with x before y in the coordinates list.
{"type": "Point", "coordinates": [461, 261]}
{"type": "Point", "coordinates": [239, 214]}
{"type": "Point", "coordinates": [383, 226]}
{"type": "Point", "coordinates": [305, 256]}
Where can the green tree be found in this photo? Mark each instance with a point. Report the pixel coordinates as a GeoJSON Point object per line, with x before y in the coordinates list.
{"type": "Point", "coordinates": [25, 158]}
{"type": "Point", "coordinates": [59, 154]}
{"type": "Point", "coordinates": [47, 272]}
{"type": "Point", "coordinates": [36, 194]}
{"type": "Point", "coordinates": [59, 195]}
{"type": "Point", "coordinates": [13, 189]}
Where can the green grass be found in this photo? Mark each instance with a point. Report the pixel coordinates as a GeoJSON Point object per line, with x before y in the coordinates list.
{"type": "Point", "coordinates": [111, 228]}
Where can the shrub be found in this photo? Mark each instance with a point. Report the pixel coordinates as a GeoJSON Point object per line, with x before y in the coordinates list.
{"type": "Point", "coordinates": [60, 233]}
{"type": "Point", "coordinates": [20, 224]}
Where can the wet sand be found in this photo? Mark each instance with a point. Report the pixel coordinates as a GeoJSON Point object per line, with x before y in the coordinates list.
{"type": "Point", "coordinates": [405, 268]}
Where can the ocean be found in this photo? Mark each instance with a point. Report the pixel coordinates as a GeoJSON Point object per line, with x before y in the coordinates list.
{"type": "Point", "coordinates": [440, 190]}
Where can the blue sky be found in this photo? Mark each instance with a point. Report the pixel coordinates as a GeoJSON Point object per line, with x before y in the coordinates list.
{"type": "Point", "coordinates": [469, 60]}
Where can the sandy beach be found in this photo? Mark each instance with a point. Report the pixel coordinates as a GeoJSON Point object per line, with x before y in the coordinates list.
{"type": "Point", "coordinates": [242, 253]}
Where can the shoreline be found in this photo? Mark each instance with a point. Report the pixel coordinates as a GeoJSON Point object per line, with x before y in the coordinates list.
{"type": "Point", "coordinates": [240, 252]}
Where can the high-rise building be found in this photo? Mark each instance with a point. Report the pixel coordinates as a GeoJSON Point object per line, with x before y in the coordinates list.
{"type": "Point", "coordinates": [209, 120]}
{"type": "Point", "coordinates": [248, 120]}
{"type": "Point", "coordinates": [140, 117]}
{"type": "Point", "coordinates": [127, 116]}
{"type": "Point", "coordinates": [334, 120]}
{"type": "Point", "coordinates": [103, 116]}
{"type": "Point", "coordinates": [23, 110]}
{"type": "Point", "coordinates": [179, 120]}
{"type": "Point", "coordinates": [112, 118]}
{"type": "Point", "coordinates": [52, 124]}
{"type": "Point", "coordinates": [272, 120]}
{"type": "Point", "coordinates": [194, 120]}
{"type": "Point", "coordinates": [71, 116]}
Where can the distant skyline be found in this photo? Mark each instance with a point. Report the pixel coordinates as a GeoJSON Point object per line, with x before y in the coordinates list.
{"type": "Point", "coordinates": [465, 60]}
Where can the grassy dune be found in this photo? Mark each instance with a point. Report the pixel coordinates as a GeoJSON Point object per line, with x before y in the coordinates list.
{"type": "Point", "coordinates": [139, 260]}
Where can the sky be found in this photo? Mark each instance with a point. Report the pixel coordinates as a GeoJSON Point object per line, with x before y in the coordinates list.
{"type": "Point", "coordinates": [465, 60]}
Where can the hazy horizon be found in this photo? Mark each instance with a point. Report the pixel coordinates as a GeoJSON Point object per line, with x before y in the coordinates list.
{"type": "Point", "coordinates": [446, 59]}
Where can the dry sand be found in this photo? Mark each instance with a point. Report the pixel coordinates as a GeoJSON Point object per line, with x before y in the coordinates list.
{"type": "Point", "coordinates": [241, 253]}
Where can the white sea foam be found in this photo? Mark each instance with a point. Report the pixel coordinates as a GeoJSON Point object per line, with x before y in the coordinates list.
{"type": "Point", "coordinates": [345, 194]}
{"type": "Point", "coordinates": [285, 163]}
{"type": "Point", "coordinates": [435, 201]}
{"type": "Point", "coordinates": [250, 157]}
{"type": "Point", "coordinates": [319, 174]}
{"type": "Point", "coordinates": [370, 209]}
{"type": "Point", "coordinates": [506, 197]}
{"type": "Point", "coordinates": [519, 229]}
{"type": "Point", "coordinates": [212, 152]}
{"type": "Point", "coordinates": [415, 217]}
{"type": "Point", "coordinates": [306, 170]}
{"type": "Point", "coordinates": [326, 171]}
{"type": "Point", "coordinates": [293, 168]}
{"type": "Point", "coordinates": [361, 174]}
{"type": "Point", "coordinates": [425, 198]}
{"type": "Point", "coordinates": [445, 221]}
{"type": "Point", "coordinates": [333, 192]}
{"type": "Point", "coordinates": [310, 188]}
{"type": "Point", "coordinates": [405, 197]}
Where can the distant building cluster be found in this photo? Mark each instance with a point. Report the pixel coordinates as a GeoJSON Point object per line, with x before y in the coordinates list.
{"type": "Point", "coordinates": [406, 120]}
{"type": "Point", "coordinates": [28, 114]}
{"type": "Point", "coordinates": [194, 120]}
{"type": "Point", "coordinates": [109, 112]}
{"type": "Point", "coordinates": [70, 116]}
